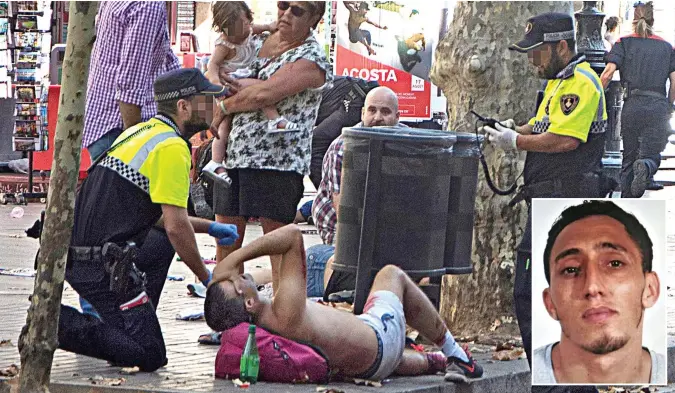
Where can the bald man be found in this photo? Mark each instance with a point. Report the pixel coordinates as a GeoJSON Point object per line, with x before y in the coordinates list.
{"type": "Point", "coordinates": [380, 109]}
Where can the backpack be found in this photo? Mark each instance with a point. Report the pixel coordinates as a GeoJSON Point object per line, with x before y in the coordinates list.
{"type": "Point", "coordinates": [201, 187]}
{"type": "Point", "coordinates": [281, 359]}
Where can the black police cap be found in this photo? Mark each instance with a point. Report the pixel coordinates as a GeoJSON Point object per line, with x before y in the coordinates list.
{"type": "Point", "coordinates": [184, 82]}
{"type": "Point", "coordinates": [549, 27]}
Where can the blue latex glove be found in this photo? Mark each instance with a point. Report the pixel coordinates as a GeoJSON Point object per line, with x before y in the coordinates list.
{"type": "Point", "coordinates": [225, 233]}
{"type": "Point", "coordinates": [208, 280]}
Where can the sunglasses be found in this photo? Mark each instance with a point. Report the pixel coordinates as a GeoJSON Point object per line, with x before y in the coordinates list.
{"type": "Point", "coordinates": [297, 11]}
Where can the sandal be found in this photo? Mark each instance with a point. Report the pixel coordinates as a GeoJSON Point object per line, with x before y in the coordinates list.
{"type": "Point", "coordinates": [212, 338]}
{"type": "Point", "coordinates": [222, 178]}
{"type": "Point", "coordinates": [273, 126]}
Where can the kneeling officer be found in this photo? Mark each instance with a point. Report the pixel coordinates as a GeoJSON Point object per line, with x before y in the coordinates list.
{"type": "Point", "coordinates": [140, 182]}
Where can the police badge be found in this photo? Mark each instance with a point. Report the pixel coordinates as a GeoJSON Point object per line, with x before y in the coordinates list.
{"type": "Point", "coordinates": [568, 103]}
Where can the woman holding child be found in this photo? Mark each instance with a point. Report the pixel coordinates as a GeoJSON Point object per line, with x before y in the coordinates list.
{"type": "Point", "coordinates": [273, 111]}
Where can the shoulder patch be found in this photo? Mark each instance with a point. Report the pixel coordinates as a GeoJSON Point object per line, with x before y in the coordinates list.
{"type": "Point", "coordinates": [568, 103]}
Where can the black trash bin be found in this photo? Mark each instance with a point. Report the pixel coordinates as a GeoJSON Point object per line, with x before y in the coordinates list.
{"type": "Point", "coordinates": [463, 182]}
{"type": "Point", "coordinates": [396, 203]}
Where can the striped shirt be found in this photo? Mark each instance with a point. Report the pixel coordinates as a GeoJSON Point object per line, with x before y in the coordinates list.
{"type": "Point", "coordinates": [132, 49]}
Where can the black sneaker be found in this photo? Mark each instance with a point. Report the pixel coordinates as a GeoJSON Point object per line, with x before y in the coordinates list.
{"type": "Point", "coordinates": [640, 179]}
{"type": "Point", "coordinates": [460, 371]}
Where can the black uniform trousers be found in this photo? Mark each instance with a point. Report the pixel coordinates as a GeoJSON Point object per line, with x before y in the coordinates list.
{"type": "Point", "coordinates": [645, 126]}
{"type": "Point", "coordinates": [125, 338]}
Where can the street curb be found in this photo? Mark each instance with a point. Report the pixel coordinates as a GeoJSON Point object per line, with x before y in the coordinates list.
{"type": "Point", "coordinates": [501, 380]}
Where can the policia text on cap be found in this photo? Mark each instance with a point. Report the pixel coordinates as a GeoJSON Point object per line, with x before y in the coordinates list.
{"type": "Point", "coordinates": [564, 141]}
{"type": "Point", "coordinates": [139, 182]}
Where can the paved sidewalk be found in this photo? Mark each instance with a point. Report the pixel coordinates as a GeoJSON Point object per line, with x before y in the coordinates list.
{"type": "Point", "coordinates": [190, 366]}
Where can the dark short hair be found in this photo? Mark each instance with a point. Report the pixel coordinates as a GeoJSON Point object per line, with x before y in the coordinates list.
{"type": "Point", "coordinates": [612, 22]}
{"type": "Point", "coordinates": [223, 311]}
{"type": "Point", "coordinates": [635, 229]}
{"type": "Point", "coordinates": [226, 14]}
{"type": "Point", "coordinates": [170, 107]}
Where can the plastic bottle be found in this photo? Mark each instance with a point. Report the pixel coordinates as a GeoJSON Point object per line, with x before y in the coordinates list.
{"type": "Point", "coordinates": [250, 360]}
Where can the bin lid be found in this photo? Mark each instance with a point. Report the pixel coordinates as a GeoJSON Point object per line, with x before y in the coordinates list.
{"type": "Point", "coordinates": [467, 145]}
{"type": "Point", "coordinates": [403, 134]}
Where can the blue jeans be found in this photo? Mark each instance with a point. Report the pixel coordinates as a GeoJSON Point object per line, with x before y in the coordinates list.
{"type": "Point", "coordinates": [317, 257]}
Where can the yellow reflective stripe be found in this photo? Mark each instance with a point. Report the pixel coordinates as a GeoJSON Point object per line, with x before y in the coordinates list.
{"type": "Point", "coordinates": [601, 102]}
{"type": "Point", "coordinates": [147, 147]}
{"type": "Point", "coordinates": [129, 157]}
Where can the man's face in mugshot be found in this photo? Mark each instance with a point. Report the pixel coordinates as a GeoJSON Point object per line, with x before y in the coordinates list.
{"type": "Point", "coordinates": [598, 291]}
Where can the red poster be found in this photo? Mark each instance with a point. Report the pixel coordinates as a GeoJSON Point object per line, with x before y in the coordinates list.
{"type": "Point", "coordinates": [414, 93]}
{"type": "Point", "coordinates": [391, 43]}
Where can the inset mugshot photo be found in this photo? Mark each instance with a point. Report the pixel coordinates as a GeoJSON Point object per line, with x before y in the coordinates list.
{"type": "Point", "coordinates": [599, 292]}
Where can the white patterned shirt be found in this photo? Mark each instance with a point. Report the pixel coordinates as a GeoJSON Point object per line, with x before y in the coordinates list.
{"type": "Point", "coordinates": [251, 146]}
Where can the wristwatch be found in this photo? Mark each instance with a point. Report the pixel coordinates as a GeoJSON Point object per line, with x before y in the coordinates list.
{"type": "Point", "coordinates": [221, 105]}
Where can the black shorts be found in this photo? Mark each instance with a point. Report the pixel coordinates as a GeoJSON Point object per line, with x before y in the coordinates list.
{"type": "Point", "coordinates": [260, 193]}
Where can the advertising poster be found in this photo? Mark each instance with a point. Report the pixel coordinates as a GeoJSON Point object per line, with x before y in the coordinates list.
{"type": "Point", "coordinates": [391, 43]}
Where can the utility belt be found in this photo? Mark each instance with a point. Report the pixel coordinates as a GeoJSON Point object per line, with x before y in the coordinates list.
{"type": "Point", "coordinates": [118, 261]}
{"type": "Point", "coordinates": [587, 185]}
{"type": "Point", "coordinates": [627, 93]}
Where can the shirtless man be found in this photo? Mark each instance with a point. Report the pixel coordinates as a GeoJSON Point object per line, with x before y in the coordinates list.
{"type": "Point", "coordinates": [368, 346]}
{"type": "Point", "coordinates": [357, 16]}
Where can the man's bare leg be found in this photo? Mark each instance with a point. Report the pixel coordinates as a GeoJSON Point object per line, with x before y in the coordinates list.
{"type": "Point", "coordinates": [418, 363]}
{"type": "Point", "coordinates": [421, 315]}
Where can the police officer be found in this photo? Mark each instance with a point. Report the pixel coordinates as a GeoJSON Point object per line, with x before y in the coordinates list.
{"type": "Point", "coordinates": [564, 141]}
{"type": "Point", "coordinates": [140, 182]}
{"type": "Point", "coordinates": [646, 61]}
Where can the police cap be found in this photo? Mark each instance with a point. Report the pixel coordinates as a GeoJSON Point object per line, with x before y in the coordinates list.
{"type": "Point", "coordinates": [548, 27]}
{"type": "Point", "coordinates": [184, 82]}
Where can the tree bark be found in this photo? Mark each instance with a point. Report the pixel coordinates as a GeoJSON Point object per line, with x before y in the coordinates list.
{"type": "Point", "coordinates": [39, 339]}
{"type": "Point", "coordinates": [476, 71]}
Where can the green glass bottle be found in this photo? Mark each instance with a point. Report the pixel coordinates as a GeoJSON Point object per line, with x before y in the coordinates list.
{"type": "Point", "coordinates": [250, 361]}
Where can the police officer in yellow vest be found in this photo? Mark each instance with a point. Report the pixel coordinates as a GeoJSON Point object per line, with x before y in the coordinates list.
{"type": "Point", "coordinates": [140, 182]}
{"type": "Point", "coordinates": [564, 141]}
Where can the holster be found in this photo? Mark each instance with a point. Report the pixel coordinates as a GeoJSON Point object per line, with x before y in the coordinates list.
{"type": "Point", "coordinates": [588, 185]}
{"type": "Point", "coordinates": [119, 262]}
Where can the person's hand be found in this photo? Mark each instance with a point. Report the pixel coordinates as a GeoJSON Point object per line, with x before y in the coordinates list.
{"type": "Point", "coordinates": [225, 233]}
{"type": "Point", "coordinates": [228, 81]}
{"type": "Point", "coordinates": [502, 137]}
{"type": "Point", "coordinates": [208, 280]}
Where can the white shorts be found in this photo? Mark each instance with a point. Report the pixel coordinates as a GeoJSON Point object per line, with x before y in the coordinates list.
{"type": "Point", "coordinates": [384, 313]}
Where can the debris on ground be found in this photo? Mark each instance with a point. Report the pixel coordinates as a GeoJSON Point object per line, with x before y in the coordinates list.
{"type": "Point", "coordinates": [175, 277]}
{"type": "Point", "coordinates": [99, 380]}
{"type": "Point", "coordinates": [512, 354]}
{"type": "Point", "coordinates": [25, 272]}
{"type": "Point", "coordinates": [6, 343]}
{"type": "Point", "coordinates": [129, 370]}
{"type": "Point", "coordinates": [190, 315]}
{"type": "Point", "coordinates": [365, 382]}
{"type": "Point", "coordinates": [17, 212]}
{"type": "Point", "coordinates": [11, 371]}
{"type": "Point", "coordinates": [326, 389]}
{"type": "Point", "coordinates": [641, 389]}
{"type": "Point", "coordinates": [239, 383]}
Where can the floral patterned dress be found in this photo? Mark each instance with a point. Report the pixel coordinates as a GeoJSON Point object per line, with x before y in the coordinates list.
{"type": "Point", "coordinates": [249, 144]}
